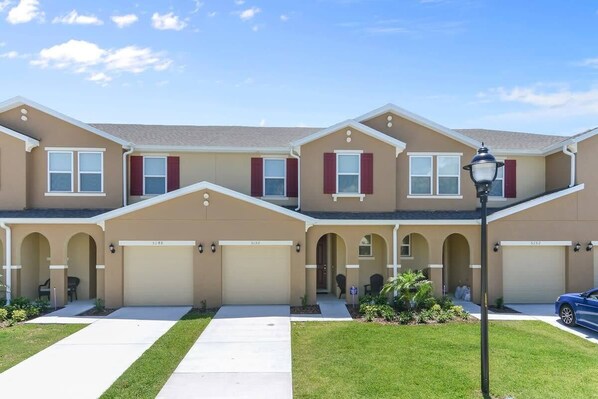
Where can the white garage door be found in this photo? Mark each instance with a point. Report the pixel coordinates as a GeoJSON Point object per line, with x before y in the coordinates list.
{"type": "Point", "coordinates": [258, 275]}
{"type": "Point", "coordinates": [155, 276]}
{"type": "Point", "coordinates": [533, 274]}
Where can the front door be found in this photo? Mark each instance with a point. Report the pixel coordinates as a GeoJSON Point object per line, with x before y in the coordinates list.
{"type": "Point", "coordinates": [322, 270]}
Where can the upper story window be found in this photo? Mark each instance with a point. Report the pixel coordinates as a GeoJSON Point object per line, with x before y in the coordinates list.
{"type": "Point", "coordinates": [274, 177]}
{"type": "Point", "coordinates": [406, 246]}
{"type": "Point", "coordinates": [154, 175]}
{"type": "Point", "coordinates": [60, 171]}
{"type": "Point", "coordinates": [420, 182]}
{"type": "Point", "coordinates": [91, 165]}
{"type": "Point", "coordinates": [448, 174]}
{"type": "Point", "coordinates": [347, 173]}
{"type": "Point", "coordinates": [365, 246]}
{"type": "Point", "coordinates": [498, 187]}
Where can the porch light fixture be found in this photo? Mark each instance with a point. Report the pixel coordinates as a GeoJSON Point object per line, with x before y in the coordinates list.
{"type": "Point", "coordinates": [577, 247]}
{"type": "Point", "coordinates": [298, 247]}
{"type": "Point", "coordinates": [483, 170]}
{"type": "Point", "coordinates": [111, 248]}
{"type": "Point", "coordinates": [496, 247]}
{"type": "Point", "coordinates": [213, 247]}
{"type": "Point", "coordinates": [200, 248]}
{"type": "Point", "coordinates": [589, 247]}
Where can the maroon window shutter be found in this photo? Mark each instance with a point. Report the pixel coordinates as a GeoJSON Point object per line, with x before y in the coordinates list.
{"type": "Point", "coordinates": [367, 173]}
{"type": "Point", "coordinates": [173, 179]}
{"type": "Point", "coordinates": [329, 173]}
{"type": "Point", "coordinates": [292, 177]}
{"type": "Point", "coordinates": [136, 175]}
{"type": "Point", "coordinates": [257, 177]}
{"type": "Point", "coordinates": [510, 174]}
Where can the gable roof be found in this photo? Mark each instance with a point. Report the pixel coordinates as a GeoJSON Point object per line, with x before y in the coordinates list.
{"type": "Point", "coordinates": [204, 185]}
{"type": "Point", "coordinates": [20, 101]}
{"type": "Point", "coordinates": [30, 142]}
{"type": "Point", "coordinates": [350, 123]}
{"type": "Point", "coordinates": [509, 141]}
{"type": "Point", "coordinates": [420, 120]}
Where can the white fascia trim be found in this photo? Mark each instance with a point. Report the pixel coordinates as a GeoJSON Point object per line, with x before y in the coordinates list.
{"type": "Point", "coordinates": [435, 196]}
{"type": "Point", "coordinates": [435, 154]}
{"type": "Point", "coordinates": [156, 243]}
{"type": "Point", "coordinates": [254, 243]}
{"type": "Point", "coordinates": [30, 143]}
{"type": "Point", "coordinates": [353, 124]}
{"type": "Point", "coordinates": [389, 222]}
{"type": "Point", "coordinates": [536, 243]}
{"type": "Point", "coordinates": [420, 120]}
{"type": "Point", "coordinates": [352, 266]}
{"type": "Point", "coordinates": [218, 149]}
{"type": "Point", "coordinates": [20, 101]}
{"type": "Point", "coordinates": [58, 267]}
{"type": "Point", "coordinates": [192, 189]}
{"type": "Point", "coordinates": [74, 194]}
{"type": "Point", "coordinates": [535, 202]}
{"type": "Point", "coordinates": [100, 267]}
{"type": "Point", "coordinates": [83, 149]}
{"type": "Point", "coordinates": [436, 266]}
{"type": "Point", "coordinates": [311, 266]}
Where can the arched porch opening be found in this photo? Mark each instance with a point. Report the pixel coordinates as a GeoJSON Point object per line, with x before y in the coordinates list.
{"type": "Point", "coordinates": [373, 261]}
{"type": "Point", "coordinates": [35, 264]}
{"type": "Point", "coordinates": [81, 259]}
{"type": "Point", "coordinates": [415, 253]}
{"type": "Point", "coordinates": [331, 261]}
{"type": "Point", "coordinates": [455, 260]}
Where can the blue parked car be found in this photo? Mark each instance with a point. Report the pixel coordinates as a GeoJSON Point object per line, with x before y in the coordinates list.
{"type": "Point", "coordinates": [581, 309]}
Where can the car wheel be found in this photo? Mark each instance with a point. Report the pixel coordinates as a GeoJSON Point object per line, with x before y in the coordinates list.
{"type": "Point", "coordinates": [567, 315]}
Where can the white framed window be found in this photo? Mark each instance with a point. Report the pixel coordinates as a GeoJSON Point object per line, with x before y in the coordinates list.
{"type": "Point", "coordinates": [420, 175]}
{"type": "Point", "coordinates": [448, 174]}
{"type": "Point", "coordinates": [154, 175]}
{"type": "Point", "coordinates": [275, 172]}
{"type": "Point", "coordinates": [498, 187]}
{"type": "Point", "coordinates": [60, 171]}
{"type": "Point", "coordinates": [365, 247]}
{"type": "Point", "coordinates": [91, 172]}
{"type": "Point", "coordinates": [348, 170]}
{"type": "Point", "coordinates": [406, 246]}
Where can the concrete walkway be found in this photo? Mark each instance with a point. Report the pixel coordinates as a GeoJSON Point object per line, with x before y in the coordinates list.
{"type": "Point", "coordinates": [245, 352]}
{"type": "Point", "coordinates": [67, 315]}
{"type": "Point", "coordinates": [331, 309]}
{"type": "Point", "coordinates": [86, 363]}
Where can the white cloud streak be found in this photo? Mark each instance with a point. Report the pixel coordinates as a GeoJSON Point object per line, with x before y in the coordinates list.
{"type": "Point", "coordinates": [74, 18]}
{"type": "Point", "coordinates": [248, 14]}
{"type": "Point", "coordinates": [168, 21]}
{"type": "Point", "coordinates": [25, 11]}
{"type": "Point", "coordinates": [122, 21]}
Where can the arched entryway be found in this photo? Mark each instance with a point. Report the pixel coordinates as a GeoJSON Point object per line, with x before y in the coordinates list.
{"type": "Point", "coordinates": [455, 260]}
{"type": "Point", "coordinates": [81, 255]}
{"type": "Point", "coordinates": [35, 264]}
{"type": "Point", "coordinates": [414, 252]}
{"type": "Point", "coordinates": [373, 260]}
{"type": "Point", "coordinates": [331, 260]}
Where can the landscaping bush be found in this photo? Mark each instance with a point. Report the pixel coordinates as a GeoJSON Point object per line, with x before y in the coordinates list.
{"type": "Point", "coordinates": [445, 302]}
{"type": "Point", "coordinates": [406, 317]}
{"type": "Point", "coordinates": [3, 314]}
{"type": "Point", "coordinates": [19, 315]}
{"type": "Point", "coordinates": [99, 305]}
{"type": "Point", "coordinates": [20, 302]}
{"type": "Point", "coordinates": [30, 311]}
{"type": "Point", "coordinates": [413, 290]}
{"type": "Point", "coordinates": [370, 312]}
{"type": "Point", "coordinates": [373, 300]}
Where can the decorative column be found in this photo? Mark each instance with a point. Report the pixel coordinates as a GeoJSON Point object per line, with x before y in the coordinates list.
{"type": "Point", "coordinates": [58, 285]}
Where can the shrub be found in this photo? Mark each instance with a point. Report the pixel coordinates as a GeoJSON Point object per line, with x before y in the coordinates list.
{"type": "Point", "coordinates": [19, 315]}
{"type": "Point", "coordinates": [500, 303]}
{"type": "Point", "coordinates": [406, 317]}
{"type": "Point", "coordinates": [3, 314]}
{"type": "Point", "coordinates": [31, 311]}
{"type": "Point", "coordinates": [99, 305]}
{"type": "Point", "coordinates": [458, 311]}
{"type": "Point", "coordinates": [436, 308]}
{"type": "Point", "coordinates": [373, 300]}
{"type": "Point", "coordinates": [42, 305]}
{"type": "Point", "coordinates": [413, 289]}
{"type": "Point", "coordinates": [204, 306]}
{"type": "Point", "coordinates": [444, 316]}
{"type": "Point", "coordinates": [304, 300]}
{"type": "Point", "coordinates": [20, 303]}
{"type": "Point", "coordinates": [370, 312]}
{"type": "Point", "coordinates": [445, 302]}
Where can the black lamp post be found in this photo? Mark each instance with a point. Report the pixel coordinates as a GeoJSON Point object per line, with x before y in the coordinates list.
{"type": "Point", "coordinates": [483, 169]}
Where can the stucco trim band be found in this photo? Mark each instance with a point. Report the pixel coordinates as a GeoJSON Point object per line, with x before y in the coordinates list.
{"type": "Point", "coordinates": [536, 243]}
{"type": "Point", "coordinates": [436, 266]}
{"type": "Point", "coordinates": [58, 267]}
{"type": "Point", "coordinates": [12, 267]}
{"type": "Point", "coordinates": [100, 266]}
{"type": "Point", "coordinates": [392, 266]}
{"type": "Point", "coordinates": [352, 266]}
{"type": "Point", "coordinates": [156, 243]}
{"type": "Point", "coordinates": [255, 243]}
{"type": "Point", "coordinates": [475, 266]}
{"type": "Point", "coordinates": [311, 266]}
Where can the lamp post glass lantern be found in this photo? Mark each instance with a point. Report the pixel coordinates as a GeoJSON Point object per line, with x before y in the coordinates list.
{"type": "Point", "coordinates": [483, 170]}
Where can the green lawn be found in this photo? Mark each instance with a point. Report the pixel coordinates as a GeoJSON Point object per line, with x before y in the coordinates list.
{"type": "Point", "coordinates": [19, 342]}
{"type": "Point", "coordinates": [528, 359]}
{"type": "Point", "coordinates": [146, 377]}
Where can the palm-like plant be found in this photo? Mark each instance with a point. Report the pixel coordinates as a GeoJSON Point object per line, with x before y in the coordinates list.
{"type": "Point", "coordinates": [412, 288]}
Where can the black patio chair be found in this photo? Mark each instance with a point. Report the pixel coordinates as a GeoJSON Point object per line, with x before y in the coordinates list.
{"type": "Point", "coordinates": [44, 290]}
{"type": "Point", "coordinates": [341, 282]}
{"type": "Point", "coordinates": [73, 283]}
{"type": "Point", "coordinates": [375, 285]}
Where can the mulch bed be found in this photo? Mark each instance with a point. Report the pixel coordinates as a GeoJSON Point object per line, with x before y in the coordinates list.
{"type": "Point", "coordinates": [354, 312]}
{"type": "Point", "coordinates": [355, 315]}
{"type": "Point", "coordinates": [97, 313]}
{"type": "Point", "coordinates": [504, 309]}
{"type": "Point", "coordinates": [309, 309]}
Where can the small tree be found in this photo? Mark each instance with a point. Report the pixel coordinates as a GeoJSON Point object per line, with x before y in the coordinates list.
{"type": "Point", "coordinates": [412, 287]}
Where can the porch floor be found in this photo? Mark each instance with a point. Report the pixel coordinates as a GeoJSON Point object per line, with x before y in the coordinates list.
{"type": "Point", "coordinates": [67, 314]}
{"type": "Point", "coordinates": [331, 308]}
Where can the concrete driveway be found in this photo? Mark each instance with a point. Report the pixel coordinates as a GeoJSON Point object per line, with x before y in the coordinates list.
{"type": "Point", "coordinates": [86, 363]}
{"type": "Point", "coordinates": [245, 352]}
{"type": "Point", "coordinates": [545, 313]}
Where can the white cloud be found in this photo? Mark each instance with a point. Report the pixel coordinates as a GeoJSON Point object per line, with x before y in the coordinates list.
{"type": "Point", "coordinates": [198, 5]}
{"type": "Point", "coordinates": [248, 14]}
{"type": "Point", "coordinates": [239, 2]}
{"type": "Point", "coordinates": [100, 64]}
{"type": "Point", "coordinates": [212, 14]}
{"type": "Point", "coordinates": [25, 11]}
{"type": "Point", "coordinates": [74, 18]}
{"type": "Point", "coordinates": [590, 62]}
{"type": "Point", "coordinates": [4, 4]}
{"type": "Point", "coordinates": [263, 122]}
{"type": "Point", "coordinates": [123, 21]}
{"type": "Point", "coordinates": [167, 22]}
{"type": "Point", "coordinates": [2, 44]}
{"type": "Point", "coordinates": [284, 18]}
{"type": "Point", "coordinates": [10, 55]}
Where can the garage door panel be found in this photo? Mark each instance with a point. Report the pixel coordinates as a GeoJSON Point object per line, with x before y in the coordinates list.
{"type": "Point", "coordinates": [533, 274]}
{"type": "Point", "coordinates": [158, 276]}
{"type": "Point", "coordinates": [255, 275]}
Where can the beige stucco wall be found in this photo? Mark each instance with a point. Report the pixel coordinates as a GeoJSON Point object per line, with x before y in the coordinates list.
{"type": "Point", "coordinates": [81, 263]}
{"type": "Point", "coordinates": [420, 253]}
{"type": "Point", "coordinates": [53, 132]}
{"type": "Point", "coordinates": [35, 265]}
{"type": "Point", "coordinates": [456, 262]}
{"type": "Point", "coordinates": [375, 265]}
{"type": "Point", "coordinates": [186, 218]}
{"type": "Point", "coordinates": [312, 174]}
{"type": "Point", "coordinates": [531, 178]}
{"type": "Point", "coordinates": [232, 171]}
{"type": "Point", "coordinates": [558, 171]}
{"type": "Point", "coordinates": [13, 173]}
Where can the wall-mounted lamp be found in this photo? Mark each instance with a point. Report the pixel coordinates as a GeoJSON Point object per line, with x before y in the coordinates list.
{"type": "Point", "coordinates": [298, 247]}
{"type": "Point", "coordinates": [200, 248]}
{"type": "Point", "coordinates": [577, 247]}
{"type": "Point", "coordinates": [213, 247]}
{"type": "Point", "coordinates": [496, 247]}
{"type": "Point", "coordinates": [111, 248]}
{"type": "Point", "coordinates": [589, 247]}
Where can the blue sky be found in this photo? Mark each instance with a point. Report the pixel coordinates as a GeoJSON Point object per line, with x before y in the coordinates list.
{"type": "Point", "coordinates": [509, 64]}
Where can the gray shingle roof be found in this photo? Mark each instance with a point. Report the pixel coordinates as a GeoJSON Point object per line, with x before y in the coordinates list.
{"type": "Point", "coordinates": [502, 139]}
{"type": "Point", "coordinates": [52, 213]}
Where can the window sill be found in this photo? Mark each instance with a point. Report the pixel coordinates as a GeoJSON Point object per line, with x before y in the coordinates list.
{"type": "Point", "coordinates": [435, 196]}
{"type": "Point", "coordinates": [407, 257]}
{"type": "Point", "coordinates": [274, 198]}
{"type": "Point", "coordinates": [367, 258]}
{"type": "Point", "coordinates": [341, 195]}
{"type": "Point", "coordinates": [148, 196]}
{"type": "Point", "coordinates": [65, 194]}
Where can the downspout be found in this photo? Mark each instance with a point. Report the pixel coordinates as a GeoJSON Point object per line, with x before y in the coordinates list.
{"type": "Point", "coordinates": [395, 253]}
{"type": "Point", "coordinates": [298, 178]}
{"type": "Point", "coordinates": [571, 154]}
{"type": "Point", "coordinates": [8, 261]}
{"type": "Point", "coordinates": [129, 151]}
